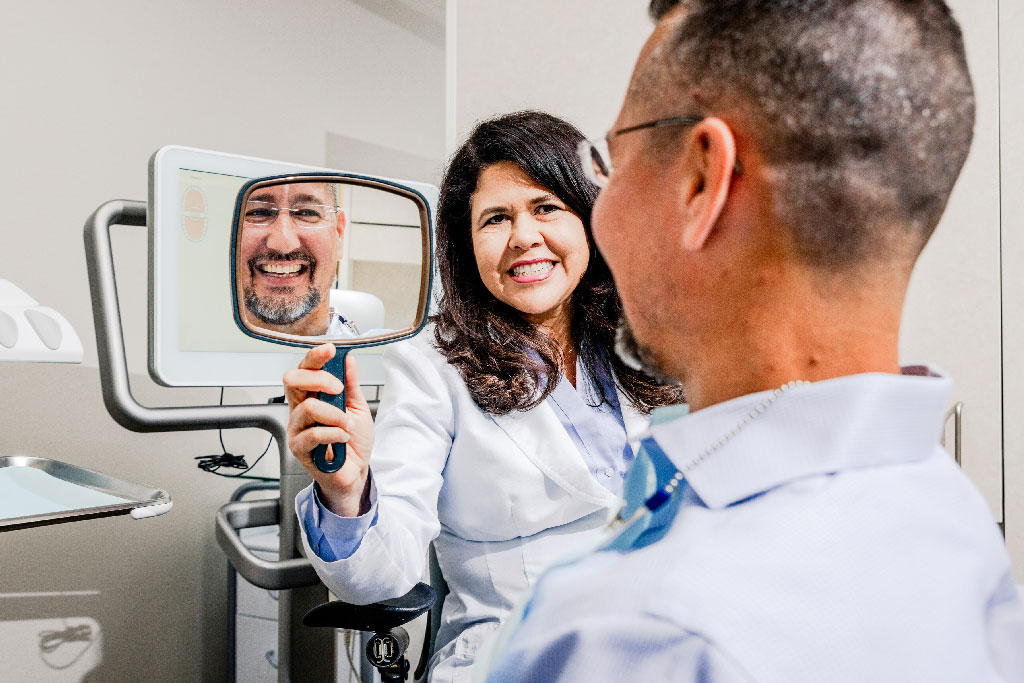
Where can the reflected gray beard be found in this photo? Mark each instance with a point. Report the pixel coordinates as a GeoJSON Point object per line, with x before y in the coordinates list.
{"type": "Point", "coordinates": [283, 312]}
{"type": "Point", "coordinates": [638, 356]}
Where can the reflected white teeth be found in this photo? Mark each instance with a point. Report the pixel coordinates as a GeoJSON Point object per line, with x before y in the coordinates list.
{"type": "Point", "coordinates": [533, 269]}
{"type": "Point", "coordinates": [278, 269]}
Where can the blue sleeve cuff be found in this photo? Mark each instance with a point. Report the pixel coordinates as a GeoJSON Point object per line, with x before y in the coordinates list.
{"type": "Point", "coordinates": [330, 536]}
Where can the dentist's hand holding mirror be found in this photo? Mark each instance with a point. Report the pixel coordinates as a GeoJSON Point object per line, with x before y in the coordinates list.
{"type": "Point", "coordinates": [333, 262]}
{"type": "Point", "coordinates": [316, 426]}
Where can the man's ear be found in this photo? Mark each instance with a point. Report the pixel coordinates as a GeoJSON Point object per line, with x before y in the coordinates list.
{"type": "Point", "coordinates": [342, 222]}
{"type": "Point", "coordinates": [709, 164]}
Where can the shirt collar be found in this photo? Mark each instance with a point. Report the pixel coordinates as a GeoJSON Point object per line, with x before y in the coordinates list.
{"type": "Point", "coordinates": [843, 423]}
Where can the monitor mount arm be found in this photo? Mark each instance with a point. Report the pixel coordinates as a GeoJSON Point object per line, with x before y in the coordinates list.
{"type": "Point", "coordinates": [301, 652]}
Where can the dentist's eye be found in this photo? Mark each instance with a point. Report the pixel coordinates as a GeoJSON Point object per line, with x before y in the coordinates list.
{"type": "Point", "coordinates": [545, 209]}
{"type": "Point", "coordinates": [496, 219]}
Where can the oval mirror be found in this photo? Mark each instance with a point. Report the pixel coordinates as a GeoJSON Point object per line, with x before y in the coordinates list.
{"type": "Point", "coordinates": [330, 257]}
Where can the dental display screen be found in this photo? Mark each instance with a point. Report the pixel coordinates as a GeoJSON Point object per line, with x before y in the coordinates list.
{"type": "Point", "coordinates": [206, 323]}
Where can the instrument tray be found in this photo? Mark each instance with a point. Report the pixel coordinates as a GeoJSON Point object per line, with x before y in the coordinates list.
{"type": "Point", "coordinates": [38, 491]}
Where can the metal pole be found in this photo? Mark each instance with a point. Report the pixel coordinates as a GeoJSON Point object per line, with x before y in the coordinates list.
{"type": "Point", "coordinates": [304, 655]}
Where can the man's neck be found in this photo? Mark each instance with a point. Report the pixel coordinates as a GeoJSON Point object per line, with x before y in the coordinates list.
{"type": "Point", "coordinates": [768, 346]}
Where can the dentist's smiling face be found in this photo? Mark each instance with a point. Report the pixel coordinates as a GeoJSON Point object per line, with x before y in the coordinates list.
{"type": "Point", "coordinates": [290, 245]}
{"type": "Point", "coordinates": [531, 250]}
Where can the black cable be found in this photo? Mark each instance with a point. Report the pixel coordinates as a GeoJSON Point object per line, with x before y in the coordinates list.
{"type": "Point", "coordinates": [49, 641]}
{"type": "Point", "coordinates": [213, 463]}
{"type": "Point", "coordinates": [220, 432]}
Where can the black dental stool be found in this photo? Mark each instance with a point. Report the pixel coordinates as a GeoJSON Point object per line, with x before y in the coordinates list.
{"type": "Point", "coordinates": [386, 649]}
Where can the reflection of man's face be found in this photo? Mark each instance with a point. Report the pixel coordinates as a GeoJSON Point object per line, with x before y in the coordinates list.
{"type": "Point", "coordinates": [288, 255]}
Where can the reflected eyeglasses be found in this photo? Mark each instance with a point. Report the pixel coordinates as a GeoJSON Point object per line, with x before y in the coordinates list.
{"type": "Point", "coordinates": [261, 214]}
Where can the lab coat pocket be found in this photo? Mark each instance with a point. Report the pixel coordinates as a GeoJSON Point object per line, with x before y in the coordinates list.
{"type": "Point", "coordinates": [454, 663]}
{"type": "Point", "coordinates": [467, 646]}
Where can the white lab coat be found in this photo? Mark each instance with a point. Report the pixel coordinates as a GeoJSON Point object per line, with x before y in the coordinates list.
{"type": "Point", "coordinates": [501, 496]}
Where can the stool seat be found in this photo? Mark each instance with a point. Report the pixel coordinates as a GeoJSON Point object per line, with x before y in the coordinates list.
{"type": "Point", "coordinates": [378, 617]}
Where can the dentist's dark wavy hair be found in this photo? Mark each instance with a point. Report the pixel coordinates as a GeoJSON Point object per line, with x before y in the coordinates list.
{"type": "Point", "coordinates": [502, 358]}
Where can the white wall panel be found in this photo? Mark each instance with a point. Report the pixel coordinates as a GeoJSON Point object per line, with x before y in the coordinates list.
{"type": "Point", "coordinates": [952, 315]}
{"type": "Point", "coordinates": [1011, 48]}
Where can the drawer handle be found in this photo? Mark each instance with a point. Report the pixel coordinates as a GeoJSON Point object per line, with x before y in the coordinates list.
{"type": "Point", "coordinates": [957, 413]}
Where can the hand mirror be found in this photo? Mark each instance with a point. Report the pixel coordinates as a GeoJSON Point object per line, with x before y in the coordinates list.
{"type": "Point", "coordinates": [330, 257]}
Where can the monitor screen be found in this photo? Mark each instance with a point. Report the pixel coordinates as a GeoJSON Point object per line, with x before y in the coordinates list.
{"type": "Point", "coordinates": [193, 339]}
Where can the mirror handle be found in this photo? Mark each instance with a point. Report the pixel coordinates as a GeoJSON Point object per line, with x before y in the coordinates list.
{"type": "Point", "coordinates": [335, 366]}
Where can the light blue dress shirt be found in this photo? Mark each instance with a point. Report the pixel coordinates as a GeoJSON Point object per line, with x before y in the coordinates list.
{"type": "Point", "coordinates": [595, 427]}
{"type": "Point", "coordinates": [831, 539]}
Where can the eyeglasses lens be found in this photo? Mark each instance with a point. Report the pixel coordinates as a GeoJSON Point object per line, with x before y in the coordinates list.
{"type": "Point", "coordinates": [261, 214]}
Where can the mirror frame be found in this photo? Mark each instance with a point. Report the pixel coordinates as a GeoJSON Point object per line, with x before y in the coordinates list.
{"type": "Point", "coordinates": [427, 262]}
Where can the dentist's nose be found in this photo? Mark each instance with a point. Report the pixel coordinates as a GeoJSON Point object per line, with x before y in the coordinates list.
{"type": "Point", "coordinates": [525, 233]}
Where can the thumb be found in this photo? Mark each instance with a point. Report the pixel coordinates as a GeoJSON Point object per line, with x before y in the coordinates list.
{"type": "Point", "coordinates": [353, 392]}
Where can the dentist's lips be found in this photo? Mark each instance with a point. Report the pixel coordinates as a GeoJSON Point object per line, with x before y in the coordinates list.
{"type": "Point", "coordinates": [531, 271]}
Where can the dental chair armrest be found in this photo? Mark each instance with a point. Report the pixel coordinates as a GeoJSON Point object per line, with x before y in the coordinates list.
{"type": "Point", "coordinates": [379, 617]}
{"type": "Point", "coordinates": [269, 574]}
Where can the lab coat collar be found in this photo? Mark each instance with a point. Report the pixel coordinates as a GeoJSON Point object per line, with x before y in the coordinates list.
{"type": "Point", "coordinates": [544, 441]}
{"type": "Point", "coordinates": [541, 437]}
{"type": "Point", "coordinates": [848, 422]}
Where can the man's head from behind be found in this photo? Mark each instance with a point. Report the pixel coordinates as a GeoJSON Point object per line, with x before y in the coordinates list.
{"type": "Point", "coordinates": [288, 255]}
{"type": "Point", "coordinates": [864, 108]}
{"type": "Point", "coordinates": [833, 133]}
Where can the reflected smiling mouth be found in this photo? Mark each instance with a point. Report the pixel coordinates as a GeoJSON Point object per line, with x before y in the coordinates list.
{"type": "Point", "coordinates": [281, 269]}
{"type": "Point", "coordinates": [282, 266]}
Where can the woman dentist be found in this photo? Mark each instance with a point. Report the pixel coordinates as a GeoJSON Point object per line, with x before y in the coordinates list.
{"type": "Point", "coordinates": [503, 437]}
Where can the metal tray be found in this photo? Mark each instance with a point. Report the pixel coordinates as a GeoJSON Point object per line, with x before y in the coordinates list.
{"type": "Point", "coordinates": [38, 491]}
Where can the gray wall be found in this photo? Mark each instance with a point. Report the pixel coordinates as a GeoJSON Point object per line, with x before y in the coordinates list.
{"type": "Point", "coordinates": [572, 58]}
{"type": "Point", "coordinates": [89, 92]}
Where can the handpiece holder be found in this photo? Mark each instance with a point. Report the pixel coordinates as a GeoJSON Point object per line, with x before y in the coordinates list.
{"type": "Point", "coordinates": [335, 366]}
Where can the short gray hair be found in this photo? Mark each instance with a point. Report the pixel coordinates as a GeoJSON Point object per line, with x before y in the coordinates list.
{"type": "Point", "coordinates": [863, 109]}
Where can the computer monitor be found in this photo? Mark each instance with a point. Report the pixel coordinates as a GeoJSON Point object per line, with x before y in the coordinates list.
{"type": "Point", "coordinates": [193, 339]}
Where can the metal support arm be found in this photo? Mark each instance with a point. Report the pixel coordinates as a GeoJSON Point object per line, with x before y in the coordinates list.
{"type": "Point", "coordinates": [117, 395]}
{"type": "Point", "coordinates": [299, 659]}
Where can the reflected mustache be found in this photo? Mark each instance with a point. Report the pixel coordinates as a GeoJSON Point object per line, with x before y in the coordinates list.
{"type": "Point", "coordinates": [296, 255]}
